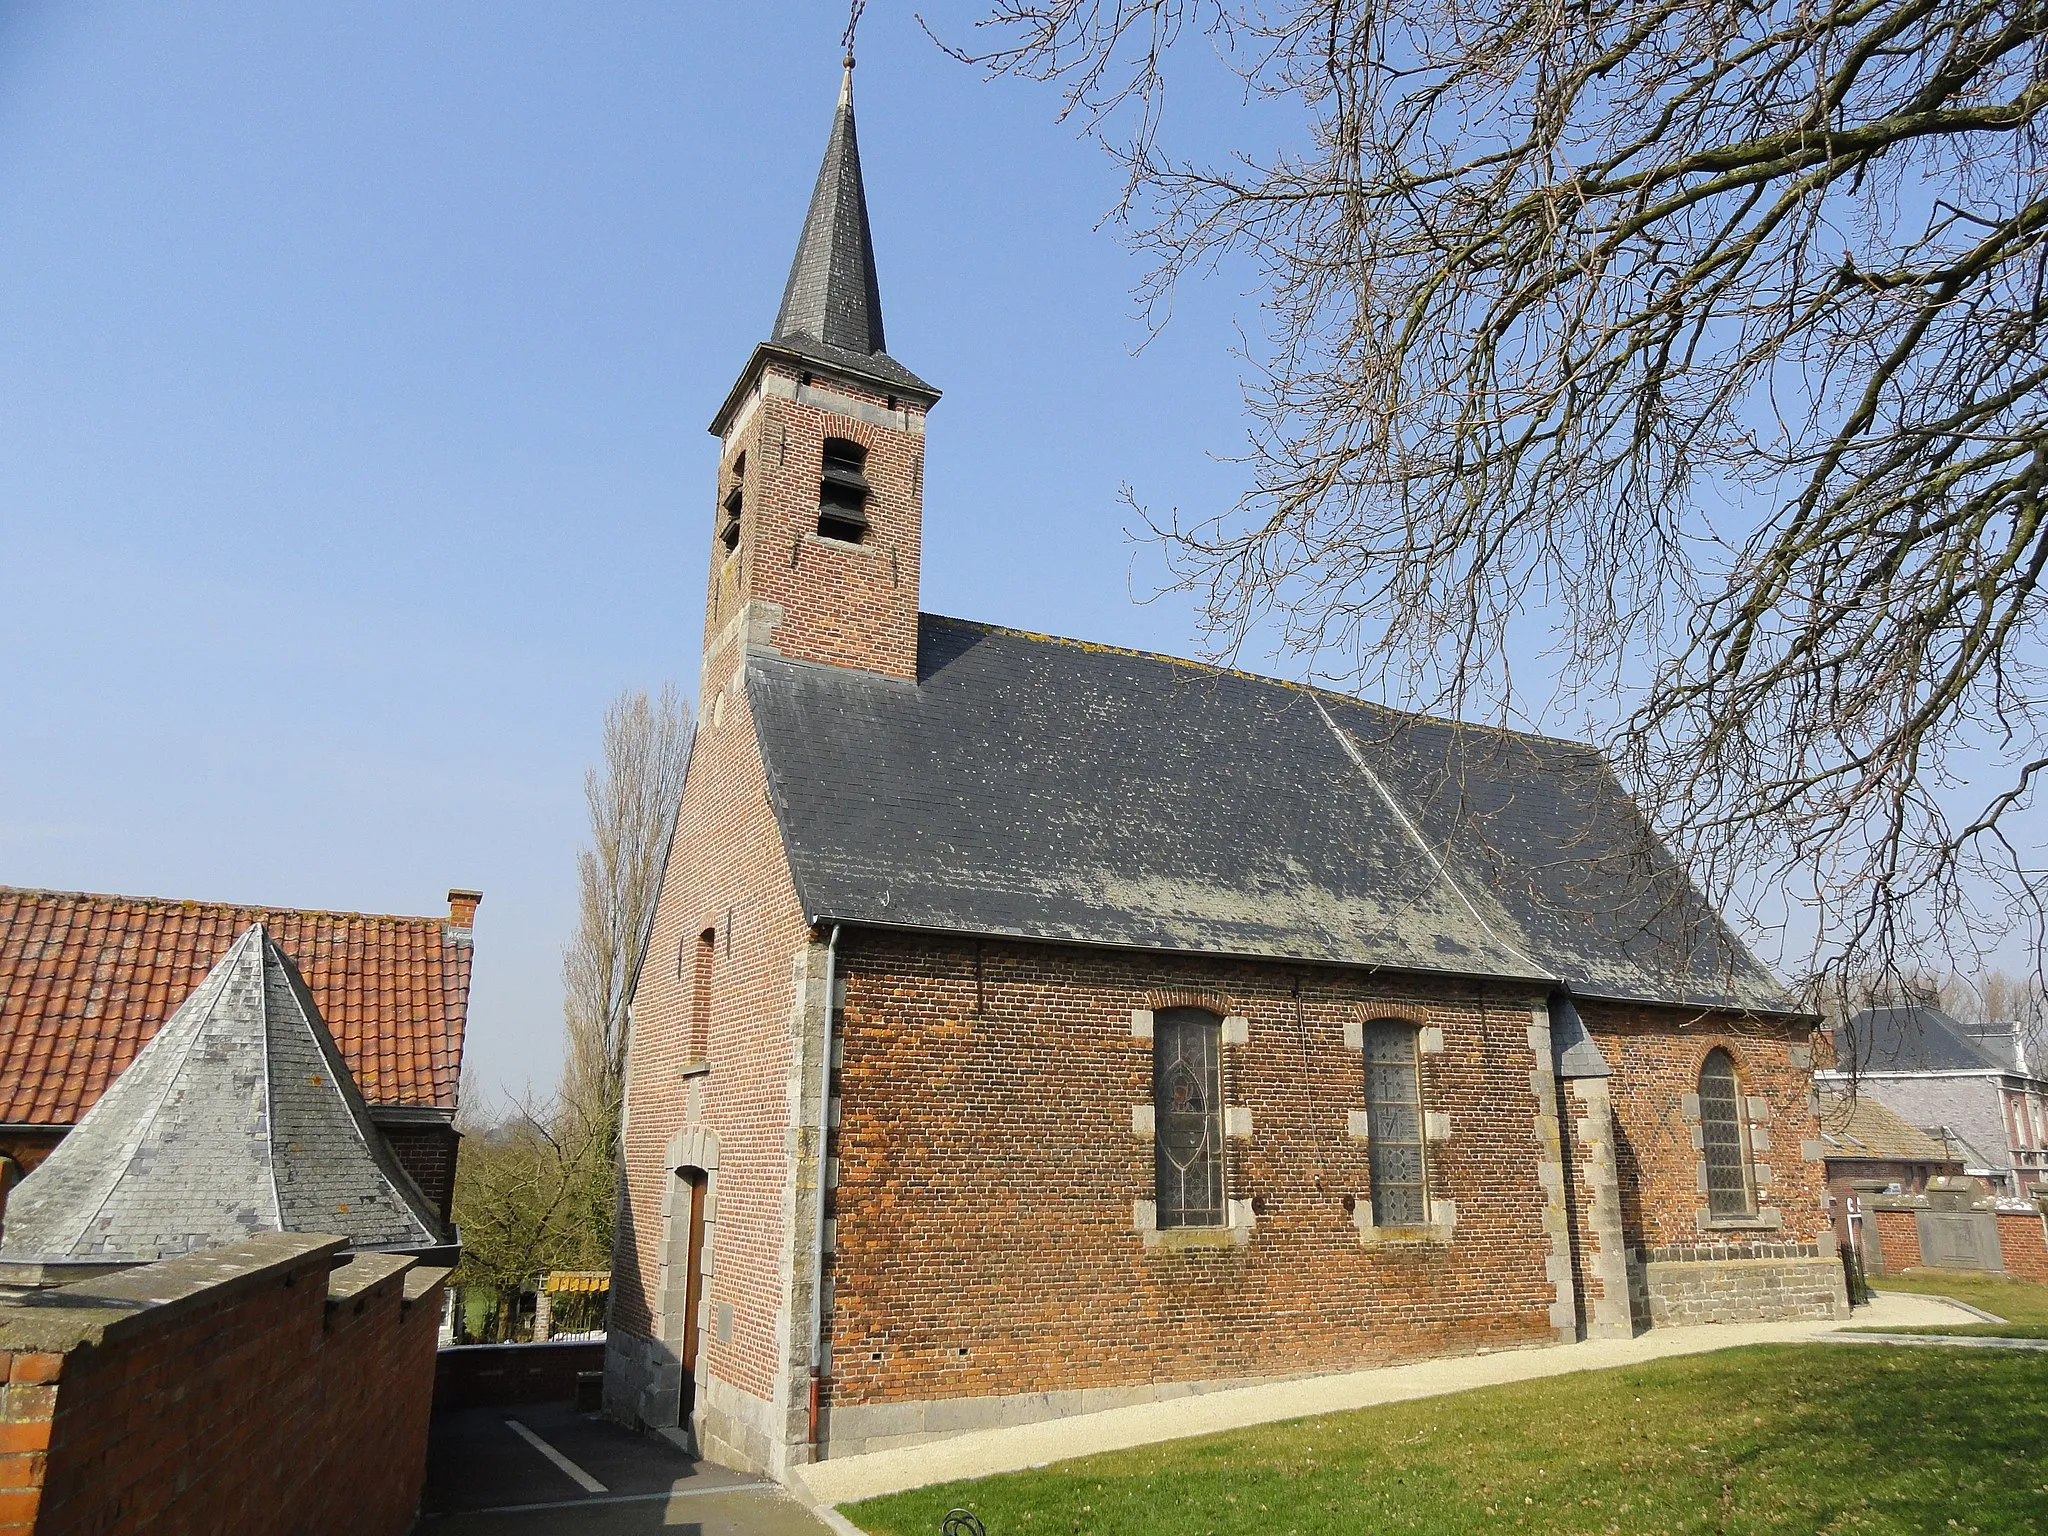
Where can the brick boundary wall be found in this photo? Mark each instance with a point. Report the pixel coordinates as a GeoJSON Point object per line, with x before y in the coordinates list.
{"type": "Point", "coordinates": [2022, 1242]}
{"type": "Point", "coordinates": [2025, 1244]}
{"type": "Point", "coordinates": [1898, 1242]}
{"type": "Point", "coordinates": [257, 1388]}
{"type": "Point", "coordinates": [545, 1372]}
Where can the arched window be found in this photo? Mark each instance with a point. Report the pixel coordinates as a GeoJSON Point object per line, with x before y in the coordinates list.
{"type": "Point", "coordinates": [1393, 1118]}
{"type": "Point", "coordinates": [1187, 1115]}
{"type": "Point", "coordinates": [1725, 1138]}
{"type": "Point", "coordinates": [843, 491]}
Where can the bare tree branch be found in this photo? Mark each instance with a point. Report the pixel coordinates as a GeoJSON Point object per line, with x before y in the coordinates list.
{"type": "Point", "coordinates": [1708, 332]}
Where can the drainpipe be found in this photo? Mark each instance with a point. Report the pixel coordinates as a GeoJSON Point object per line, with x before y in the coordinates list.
{"type": "Point", "coordinates": [824, 1142]}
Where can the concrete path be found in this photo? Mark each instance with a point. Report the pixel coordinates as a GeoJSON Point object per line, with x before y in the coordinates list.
{"type": "Point", "coordinates": [1939, 1340]}
{"type": "Point", "coordinates": [989, 1451]}
{"type": "Point", "coordinates": [542, 1469]}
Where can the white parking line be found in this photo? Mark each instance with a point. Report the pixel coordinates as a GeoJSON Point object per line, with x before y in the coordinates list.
{"type": "Point", "coordinates": [584, 1480]}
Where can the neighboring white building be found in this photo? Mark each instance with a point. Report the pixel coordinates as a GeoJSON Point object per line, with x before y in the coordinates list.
{"type": "Point", "coordinates": [1970, 1085]}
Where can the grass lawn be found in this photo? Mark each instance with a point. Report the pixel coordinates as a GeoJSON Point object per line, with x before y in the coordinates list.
{"type": "Point", "coordinates": [2023, 1304]}
{"type": "Point", "coordinates": [1788, 1438]}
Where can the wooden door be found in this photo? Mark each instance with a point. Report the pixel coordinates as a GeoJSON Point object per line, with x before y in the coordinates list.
{"type": "Point", "coordinates": [693, 1290]}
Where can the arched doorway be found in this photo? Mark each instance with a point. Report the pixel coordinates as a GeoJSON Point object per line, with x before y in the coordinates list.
{"type": "Point", "coordinates": [686, 1261]}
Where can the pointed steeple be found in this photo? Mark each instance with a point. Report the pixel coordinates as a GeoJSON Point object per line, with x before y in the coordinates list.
{"type": "Point", "coordinates": [832, 295]}
{"type": "Point", "coordinates": [238, 1116]}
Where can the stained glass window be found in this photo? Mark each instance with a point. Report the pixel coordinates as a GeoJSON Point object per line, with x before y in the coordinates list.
{"type": "Point", "coordinates": [1721, 1132]}
{"type": "Point", "coordinates": [1393, 1109]}
{"type": "Point", "coordinates": [1187, 1117]}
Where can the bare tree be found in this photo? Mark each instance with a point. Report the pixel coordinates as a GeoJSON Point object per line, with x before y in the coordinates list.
{"type": "Point", "coordinates": [522, 1198]}
{"type": "Point", "coordinates": [632, 801]}
{"type": "Point", "coordinates": [1709, 332]}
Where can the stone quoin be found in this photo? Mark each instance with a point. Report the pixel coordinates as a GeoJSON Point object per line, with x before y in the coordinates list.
{"type": "Point", "coordinates": [1031, 1026]}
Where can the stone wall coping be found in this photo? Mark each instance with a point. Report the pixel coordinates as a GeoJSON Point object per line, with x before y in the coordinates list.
{"type": "Point", "coordinates": [1921, 1203]}
{"type": "Point", "coordinates": [92, 1312]}
{"type": "Point", "coordinates": [421, 1281]}
{"type": "Point", "coordinates": [363, 1275]}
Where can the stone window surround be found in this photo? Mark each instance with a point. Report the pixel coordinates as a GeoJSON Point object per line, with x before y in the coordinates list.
{"type": "Point", "coordinates": [1436, 1129]}
{"type": "Point", "coordinates": [1756, 1116]}
{"type": "Point", "coordinates": [1237, 1126]}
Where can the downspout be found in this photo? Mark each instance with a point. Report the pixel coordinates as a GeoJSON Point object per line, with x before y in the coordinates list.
{"type": "Point", "coordinates": [824, 1142]}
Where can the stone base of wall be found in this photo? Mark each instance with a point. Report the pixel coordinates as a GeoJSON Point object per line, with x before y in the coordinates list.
{"type": "Point", "coordinates": [1680, 1293]}
{"type": "Point", "coordinates": [729, 1427]}
{"type": "Point", "coordinates": [857, 1428]}
{"type": "Point", "coordinates": [642, 1381]}
{"type": "Point", "coordinates": [736, 1429]}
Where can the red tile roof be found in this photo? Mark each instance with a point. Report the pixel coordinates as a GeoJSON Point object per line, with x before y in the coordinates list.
{"type": "Point", "coordinates": [86, 980]}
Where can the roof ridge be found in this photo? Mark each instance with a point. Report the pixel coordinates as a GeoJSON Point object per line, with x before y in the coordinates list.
{"type": "Point", "coordinates": [1314, 690]}
{"type": "Point", "coordinates": [112, 898]}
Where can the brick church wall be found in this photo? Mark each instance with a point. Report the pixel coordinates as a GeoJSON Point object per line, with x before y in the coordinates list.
{"type": "Point", "coordinates": [735, 1073]}
{"type": "Point", "coordinates": [1684, 1266]}
{"type": "Point", "coordinates": [238, 1392]}
{"type": "Point", "coordinates": [1655, 1056]}
{"type": "Point", "coordinates": [987, 1168]}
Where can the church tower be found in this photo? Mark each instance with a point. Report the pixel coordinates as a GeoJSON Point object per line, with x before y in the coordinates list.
{"type": "Point", "coordinates": [816, 525]}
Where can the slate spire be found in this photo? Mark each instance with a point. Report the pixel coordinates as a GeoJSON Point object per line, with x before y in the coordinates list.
{"type": "Point", "coordinates": [238, 1116]}
{"type": "Point", "coordinates": [832, 296]}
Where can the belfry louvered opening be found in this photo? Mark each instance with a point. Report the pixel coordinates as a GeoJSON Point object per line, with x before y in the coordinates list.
{"type": "Point", "coordinates": [843, 491]}
{"type": "Point", "coordinates": [732, 505]}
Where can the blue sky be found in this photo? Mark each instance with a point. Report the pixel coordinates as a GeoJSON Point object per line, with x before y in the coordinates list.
{"type": "Point", "coordinates": [354, 367]}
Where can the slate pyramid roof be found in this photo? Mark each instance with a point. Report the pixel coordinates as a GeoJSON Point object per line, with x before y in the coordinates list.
{"type": "Point", "coordinates": [832, 304]}
{"type": "Point", "coordinates": [239, 1116]}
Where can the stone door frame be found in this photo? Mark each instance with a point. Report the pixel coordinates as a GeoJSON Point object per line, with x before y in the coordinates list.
{"type": "Point", "coordinates": [691, 1150]}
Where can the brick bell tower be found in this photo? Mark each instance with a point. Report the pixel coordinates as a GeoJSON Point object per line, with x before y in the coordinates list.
{"type": "Point", "coordinates": [817, 519]}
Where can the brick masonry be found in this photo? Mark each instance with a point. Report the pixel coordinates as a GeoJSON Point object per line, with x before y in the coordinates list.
{"type": "Point", "coordinates": [427, 1152]}
{"type": "Point", "coordinates": [250, 1389]}
{"type": "Point", "coordinates": [987, 1168]}
{"type": "Point", "coordinates": [814, 598]}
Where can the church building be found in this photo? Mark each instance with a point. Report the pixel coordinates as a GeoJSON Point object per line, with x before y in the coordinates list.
{"type": "Point", "coordinates": [1032, 1026]}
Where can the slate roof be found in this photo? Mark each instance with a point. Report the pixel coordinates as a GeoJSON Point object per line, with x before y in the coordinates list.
{"type": "Point", "coordinates": [86, 980]}
{"type": "Point", "coordinates": [239, 1116]}
{"type": "Point", "coordinates": [1860, 1127]}
{"type": "Point", "coordinates": [1911, 1038]}
{"type": "Point", "coordinates": [832, 304]}
{"type": "Point", "coordinates": [1041, 788]}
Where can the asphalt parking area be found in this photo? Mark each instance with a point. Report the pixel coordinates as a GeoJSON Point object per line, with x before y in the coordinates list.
{"type": "Point", "coordinates": [543, 1469]}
